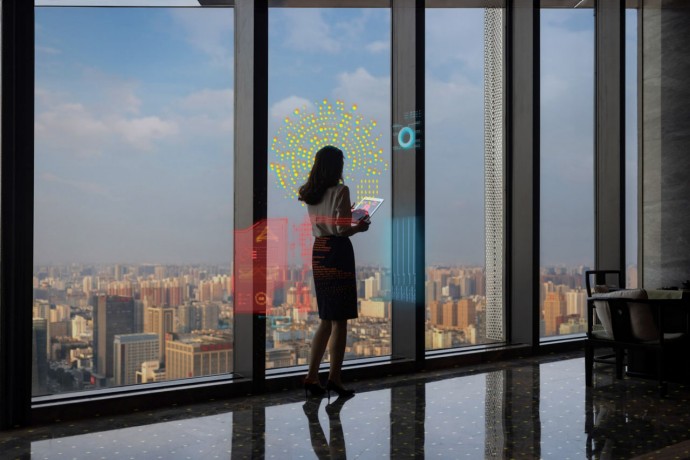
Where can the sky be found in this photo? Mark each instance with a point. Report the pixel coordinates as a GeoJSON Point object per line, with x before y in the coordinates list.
{"type": "Point", "coordinates": [134, 128]}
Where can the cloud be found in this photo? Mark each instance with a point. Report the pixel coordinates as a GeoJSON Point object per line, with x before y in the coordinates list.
{"type": "Point", "coordinates": [455, 37]}
{"type": "Point", "coordinates": [307, 30]}
{"type": "Point", "coordinates": [70, 127]}
{"type": "Point", "coordinates": [209, 101]}
{"type": "Point", "coordinates": [286, 106]}
{"type": "Point", "coordinates": [142, 133]}
{"type": "Point", "coordinates": [371, 93]}
{"type": "Point", "coordinates": [210, 30]}
{"type": "Point", "coordinates": [377, 47]}
{"type": "Point", "coordinates": [74, 128]}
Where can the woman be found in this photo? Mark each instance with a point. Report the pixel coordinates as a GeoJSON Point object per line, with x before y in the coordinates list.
{"type": "Point", "coordinates": [333, 263]}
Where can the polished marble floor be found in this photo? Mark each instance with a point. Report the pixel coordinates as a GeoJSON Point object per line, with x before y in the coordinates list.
{"type": "Point", "coordinates": [526, 408]}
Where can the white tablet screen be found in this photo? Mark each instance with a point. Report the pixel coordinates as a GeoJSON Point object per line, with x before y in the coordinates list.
{"type": "Point", "coordinates": [368, 205]}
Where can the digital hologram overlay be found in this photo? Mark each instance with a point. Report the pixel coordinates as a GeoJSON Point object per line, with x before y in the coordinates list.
{"type": "Point", "coordinates": [304, 132]}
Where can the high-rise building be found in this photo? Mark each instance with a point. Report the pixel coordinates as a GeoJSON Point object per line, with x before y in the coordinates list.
{"type": "Point", "coordinates": [42, 309]}
{"type": "Point", "coordinates": [39, 357]}
{"type": "Point", "coordinates": [576, 302]}
{"type": "Point", "coordinates": [210, 314]}
{"type": "Point", "coordinates": [555, 307]}
{"type": "Point", "coordinates": [370, 289]}
{"type": "Point", "coordinates": [78, 326]}
{"type": "Point", "coordinates": [62, 313]}
{"type": "Point", "coordinates": [129, 352]}
{"type": "Point", "coordinates": [138, 316]}
{"type": "Point", "coordinates": [467, 313]}
{"type": "Point", "coordinates": [112, 315]}
{"type": "Point", "coordinates": [450, 314]}
{"type": "Point", "coordinates": [192, 355]}
{"type": "Point", "coordinates": [374, 308]}
{"type": "Point", "coordinates": [160, 321]}
{"type": "Point", "coordinates": [435, 313]}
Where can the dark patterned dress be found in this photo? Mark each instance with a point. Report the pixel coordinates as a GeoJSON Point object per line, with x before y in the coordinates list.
{"type": "Point", "coordinates": [333, 259]}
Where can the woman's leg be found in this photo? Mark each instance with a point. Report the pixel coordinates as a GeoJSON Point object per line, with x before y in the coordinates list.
{"type": "Point", "coordinates": [318, 348]}
{"type": "Point", "coordinates": [337, 350]}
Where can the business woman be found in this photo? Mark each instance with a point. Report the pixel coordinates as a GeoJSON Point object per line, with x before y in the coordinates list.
{"type": "Point", "coordinates": [333, 263]}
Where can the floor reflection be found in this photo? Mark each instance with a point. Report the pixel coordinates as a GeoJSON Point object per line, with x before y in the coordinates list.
{"type": "Point", "coordinates": [529, 408]}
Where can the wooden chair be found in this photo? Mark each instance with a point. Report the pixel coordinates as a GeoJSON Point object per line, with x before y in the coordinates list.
{"type": "Point", "coordinates": [636, 324]}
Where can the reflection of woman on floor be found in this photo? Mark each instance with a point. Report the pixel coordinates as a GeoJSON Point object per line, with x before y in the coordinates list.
{"type": "Point", "coordinates": [322, 448]}
{"type": "Point", "coordinates": [333, 263]}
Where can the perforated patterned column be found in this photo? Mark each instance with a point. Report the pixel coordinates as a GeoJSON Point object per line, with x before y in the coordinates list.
{"type": "Point", "coordinates": [493, 171]}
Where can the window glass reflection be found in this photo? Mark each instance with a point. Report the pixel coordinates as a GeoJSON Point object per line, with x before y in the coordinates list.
{"type": "Point", "coordinates": [201, 437]}
{"type": "Point", "coordinates": [133, 196]}
{"type": "Point", "coordinates": [358, 427]}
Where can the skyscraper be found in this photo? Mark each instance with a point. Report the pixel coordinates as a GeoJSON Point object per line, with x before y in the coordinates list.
{"type": "Point", "coordinates": [467, 313]}
{"type": "Point", "coordinates": [112, 315]}
{"type": "Point", "coordinates": [554, 312]}
{"type": "Point", "coordinates": [450, 314]}
{"type": "Point", "coordinates": [160, 321]}
{"type": "Point", "coordinates": [39, 356]}
{"type": "Point", "coordinates": [435, 313]}
{"type": "Point", "coordinates": [210, 314]}
{"type": "Point", "coordinates": [130, 351]}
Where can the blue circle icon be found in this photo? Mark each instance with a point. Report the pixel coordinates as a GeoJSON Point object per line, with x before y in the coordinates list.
{"type": "Point", "coordinates": [408, 133]}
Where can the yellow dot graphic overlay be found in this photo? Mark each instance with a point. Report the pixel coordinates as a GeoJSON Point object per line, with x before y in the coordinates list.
{"type": "Point", "coordinates": [303, 133]}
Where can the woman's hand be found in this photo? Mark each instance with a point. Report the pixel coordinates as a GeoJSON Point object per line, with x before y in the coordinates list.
{"type": "Point", "coordinates": [362, 225]}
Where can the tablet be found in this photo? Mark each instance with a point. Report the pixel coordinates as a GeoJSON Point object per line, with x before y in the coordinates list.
{"type": "Point", "coordinates": [366, 208]}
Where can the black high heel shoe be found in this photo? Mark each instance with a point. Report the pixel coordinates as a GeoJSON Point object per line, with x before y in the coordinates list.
{"type": "Point", "coordinates": [342, 392]}
{"type": "Point", "coordinates": [314, 388]}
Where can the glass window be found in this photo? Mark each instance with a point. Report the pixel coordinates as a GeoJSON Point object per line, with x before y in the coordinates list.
{"type": "Point", "coordinates": [329, 84]}
{"type": "Point", "coordinates": [464, 168]}
{"type": "Point", "coordinates": [133, 196]}
{"type": "Point", "coordinates": [567, 167]}
{"type": "Point", "coordinates": [631, 147]}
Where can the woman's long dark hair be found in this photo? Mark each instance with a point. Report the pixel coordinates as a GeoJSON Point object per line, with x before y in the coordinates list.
{"type": "Point", "coordinates": [326, 172]}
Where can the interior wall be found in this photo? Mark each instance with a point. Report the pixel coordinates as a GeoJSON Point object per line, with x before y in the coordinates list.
{"type": "Point", "coordinates": [665, 165]}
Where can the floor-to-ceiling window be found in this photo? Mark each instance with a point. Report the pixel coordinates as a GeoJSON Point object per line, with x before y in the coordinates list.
{"type": "Point", "coordinates": [631, 148]}
{"type": "Point", "coordinates": [329, 84]}
{"type": "Point", "coordinates": [133, 196]}
{"type": "Point", "coordinates": [567, 167]}
{"type": "Point", "coordinates": [465, 176]}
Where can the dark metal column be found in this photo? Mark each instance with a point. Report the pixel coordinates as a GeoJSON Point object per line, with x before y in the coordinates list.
{"type": "Point", "coordinates": [251, 147]}
{"type": "Point", "coordinates": [523, 170]}
{"type": "Point", "coordinates": [16, 247]}
{"type": "Point", "coordinates": [408, 179]}
{"type": "Point", "coordinates": [609, 167]}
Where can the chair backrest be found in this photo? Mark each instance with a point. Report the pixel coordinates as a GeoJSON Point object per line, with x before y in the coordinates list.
{"type": "Point", "coordinates": [602, 277]}
{"type": "Point", "coordinates": [633, 320]}
{"type": "Point", "coordinates": [600, 304]}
